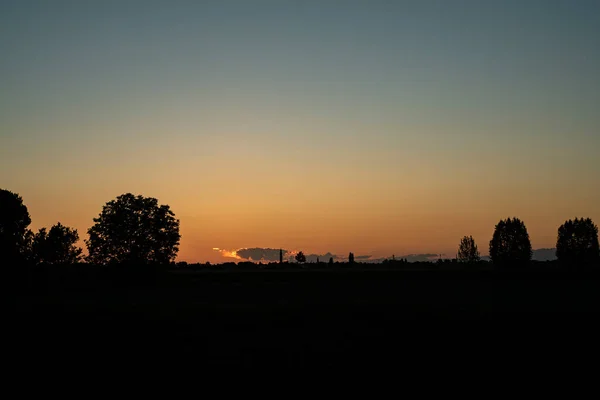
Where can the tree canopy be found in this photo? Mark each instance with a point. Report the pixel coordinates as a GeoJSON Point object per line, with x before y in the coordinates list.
{"type": "Point", "coordinates": [510, 244]}
{"type": "Point", "coordinates": [57, 246]}
{"type": "Point", "coordinates": [577, 242]}
{"type": "Point", "coordinates": [134, 229]}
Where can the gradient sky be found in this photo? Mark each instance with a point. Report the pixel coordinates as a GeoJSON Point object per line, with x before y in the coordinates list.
{"type": "Point", "coordinates": [378, 127]}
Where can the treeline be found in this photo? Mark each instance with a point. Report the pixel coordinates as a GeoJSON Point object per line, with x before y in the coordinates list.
{"type": "Point", "coordinates": [132, 230]}
{"type": "Point", "coordinates": [136, 230]}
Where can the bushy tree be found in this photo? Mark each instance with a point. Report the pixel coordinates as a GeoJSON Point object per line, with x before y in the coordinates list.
{"type": "Point", "coordinates": [510, 244]}
{"type": "Point", "coordinates": [14, 220]}
{"type": "Point", "coordinates": [467, 250]}
{"type": "Point", "coordinates": [577, 243]}
{"type": "Point", "coordinates": [134, 229]}
{"type": "Point", "coordinates": [351, 258]}
{"type": "Point", "coordinates": [300, 257]}
{"type": "Point", "coordinates": [57, 246]}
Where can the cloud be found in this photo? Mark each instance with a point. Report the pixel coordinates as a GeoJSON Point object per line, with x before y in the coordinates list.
{"type": "Point", "coordinates": [544, 254]}
{"type": "Point", "coordinates": [420, 257]}
{"type": "Point", "coordinates": [227, 253]}
{"type": "Point", "coordinates": [257, 254]}
{"type": "Point", "coordinates": [322, 257]}
{"type": "Point", "coordinates": [538, 255]}
{"type": "Point", "coordinates": [409, 257]}
{"type": "Point", "coordinates": [264, 254]}
{"type": "Point", "coordinates": [252, 254]}
{"type": "Point", "coordinates": [325, 258]}
{"type": "Point", "coordinates": [260, 254]}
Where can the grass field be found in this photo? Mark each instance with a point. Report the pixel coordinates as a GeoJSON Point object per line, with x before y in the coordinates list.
{"type": "Point", "coordinates": [298, 317]}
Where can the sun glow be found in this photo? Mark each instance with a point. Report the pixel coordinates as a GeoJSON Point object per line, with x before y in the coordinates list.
{"type": "Point", "coordinates": [228, 253]}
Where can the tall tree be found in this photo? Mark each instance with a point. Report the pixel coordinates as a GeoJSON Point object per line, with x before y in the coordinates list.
{"type": "Point", "coordinates": [14, 220]}
{"type": "Point", "coordinates": [577, 243]}
{"type": "Point", "coordinates": [510, 244]}
{"type": "Point", "coordinates": [467, 250]}
{"type": "Point", "coordinates": [134, 229]}
{"type": "Point", "coordinates": [351, 258]}
{"type": "Point", "coordinates": [58, 246]}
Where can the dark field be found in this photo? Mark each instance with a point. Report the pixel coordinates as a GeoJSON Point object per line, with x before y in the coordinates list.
{"type": "Point", "coordinates": [296, 317]}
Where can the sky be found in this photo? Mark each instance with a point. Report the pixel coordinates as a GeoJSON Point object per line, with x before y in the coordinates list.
{"type": "Point", "coordinates": [377, 127]}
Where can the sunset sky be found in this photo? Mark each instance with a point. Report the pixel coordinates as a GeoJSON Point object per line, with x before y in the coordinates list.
{"type": "Point", "coordinates": [377, 127]}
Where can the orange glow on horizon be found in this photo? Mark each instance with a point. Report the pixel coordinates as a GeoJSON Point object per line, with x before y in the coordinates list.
{"type": "Point", "coordinates": [228, 253]}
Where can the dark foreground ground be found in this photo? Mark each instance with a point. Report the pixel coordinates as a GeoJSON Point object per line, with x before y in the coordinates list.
{"type": "Point", "coordinates": [303, 318]}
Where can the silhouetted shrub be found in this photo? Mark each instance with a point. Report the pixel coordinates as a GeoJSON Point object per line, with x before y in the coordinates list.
{"type": "Point", "coordinates": [300, 257]}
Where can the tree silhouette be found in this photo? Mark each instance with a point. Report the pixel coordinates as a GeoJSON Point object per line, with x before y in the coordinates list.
{"type": "Point", "coordinates": [14, 220]}
{"type": "Point", "coordinates": [577, 243]}
{"type": "Point", "coordinates": [351, 258]}
{"type": "Point", "coordinates": [58, 246]}
{"type": "Point", "coordinates": [300, 257]}
{"type": "Point", "coordinates": [510, 244]}
{"type": "Point", "coordinates": [134, 229]}
{"type": "Point", "coordinates": [330, 260]}
{"type": "Point", "coordinates": [467, 250]}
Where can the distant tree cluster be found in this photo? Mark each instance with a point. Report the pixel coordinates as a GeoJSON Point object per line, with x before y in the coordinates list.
{"type": "Point", "coordinates": [576, 245]}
